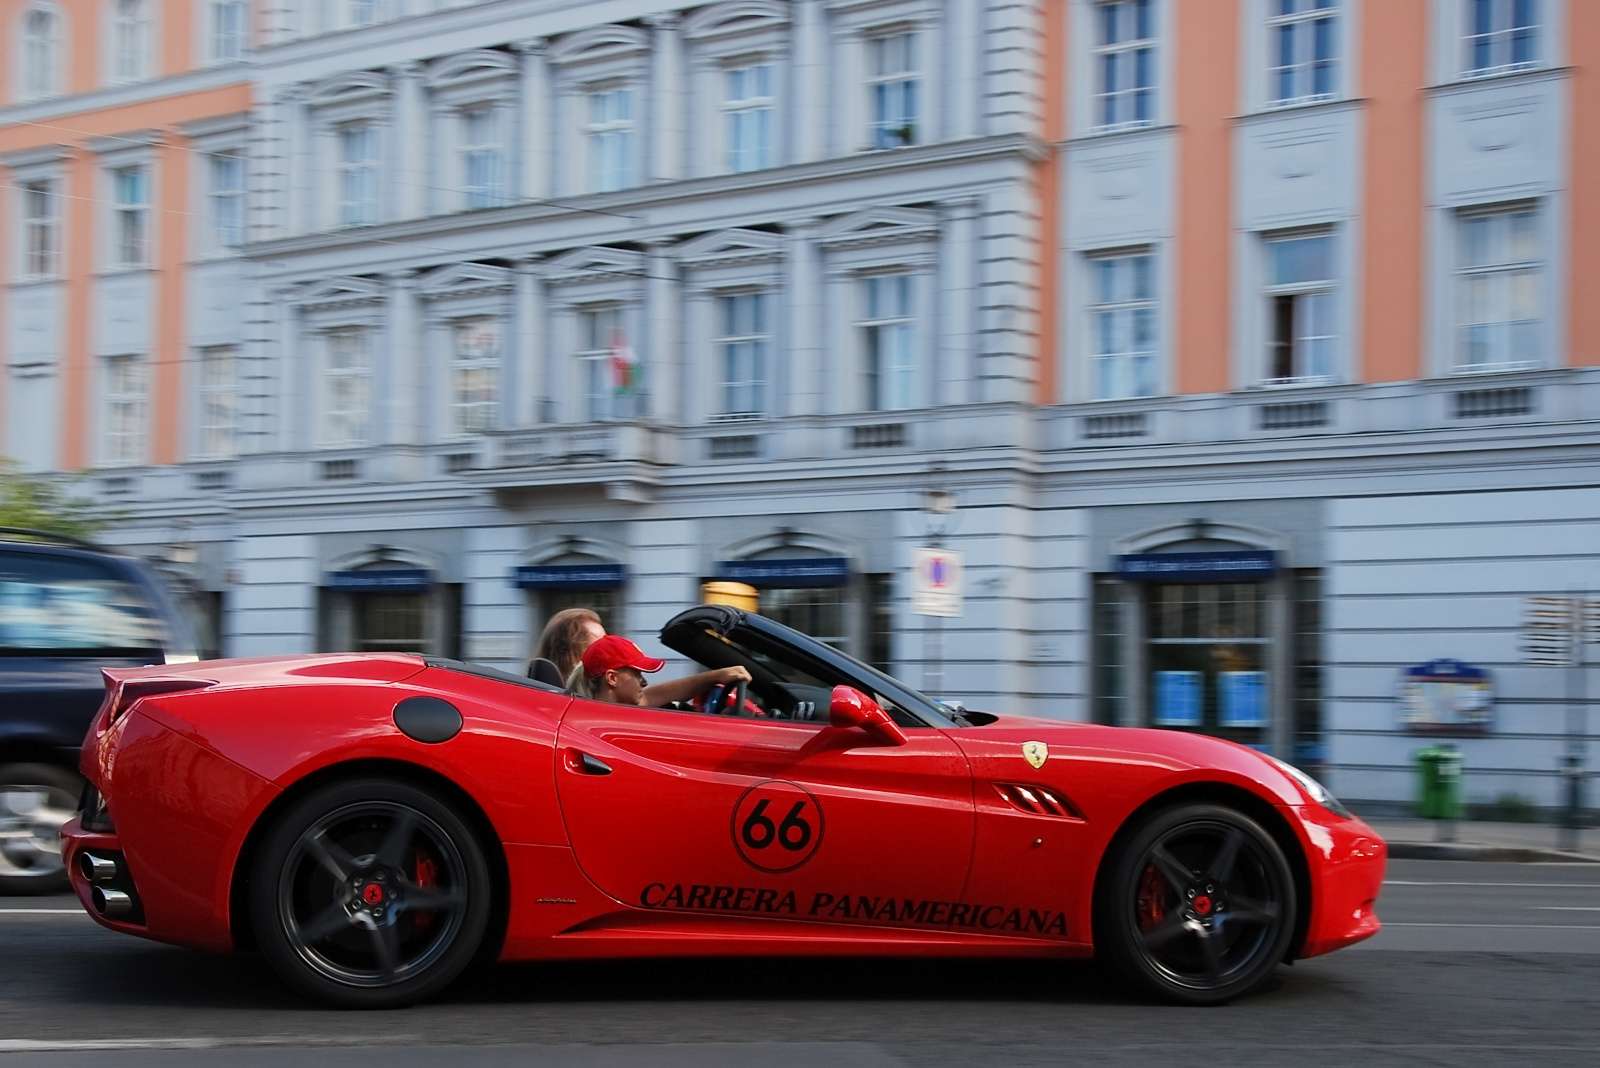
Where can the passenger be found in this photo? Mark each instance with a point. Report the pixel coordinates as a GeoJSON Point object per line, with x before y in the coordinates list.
{"type": "Point", "coordinates": [569, 632]}
{"type": "Point", "coordinates": [613, 669]}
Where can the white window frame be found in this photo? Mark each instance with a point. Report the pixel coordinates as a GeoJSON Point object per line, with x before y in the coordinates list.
{"type": "Point", "coordinates": [359, 415]}
{"type": "Point", "coordinates": [593, 354]}
{"type": "Point", "coordinates": [31, 83]}
{"type": "Point", "coordinates": [735, 110]}
{"type": "Point", "coordinates": [40, 249]}
{"type": "Point", "coordinates": [130, 42]}
{"type": "Point", "coordinates": [1452, 33]}
{"type": "Point", "coordinates": [1303, 27]}
{"type": "Point", "coordinates": [1271, 293]}
{"type": "Point", "coordinates": [217, 408]}
{"type": "Point", "coordinates": [130, 237]}
{"type": "Point", "coordinates": [748, 397]}
{"type": "Point", "coordinates": [470, 412]}
{"type": "Point", "coordinates": [218, 200]}
{"type": "Point", "coordinates": [1101, 52]}
{"type": "Point", "coordinates": [871, 324]}
{"type": "Point", "coordinates": [909, 79]}
{"type": "Point", "coordinates": [494, 192]}
{"type": "Point", "coordinates": [360, 13]}
{"type": "Point", "coordinates": [224, 43]}
{"type": "Point", "coordinates": [1501, 37]}
{"type": "Point", "coordinates": [1095, 311]}
{"type": "Point", "coordinates": [366, 210]}
{"type": "Point", "coordinates": [1537, 268]}
{"type": "Point", "coordinates": [126, 403]}
{"type": "Point", "coordinates": [458, 86]}
{"type": "Point", "coordinates": [723, 37]}
{"type": "Point", "coordinates": [603, 134]}
{"type": "Point", "coordinates": [344, 101]}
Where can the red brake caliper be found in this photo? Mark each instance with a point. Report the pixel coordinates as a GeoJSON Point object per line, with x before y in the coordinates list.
{"type": "Point", "coordinates": [425, 876]}
{"type": "Point", "coordinates": [1151, 903]}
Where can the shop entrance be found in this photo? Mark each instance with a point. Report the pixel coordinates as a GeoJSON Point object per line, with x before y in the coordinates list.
{"type": "Point", "coordinates": [1208, 654]}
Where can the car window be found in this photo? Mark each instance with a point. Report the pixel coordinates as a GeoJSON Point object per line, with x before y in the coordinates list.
{"type": "Point", "coordinates": [68, 606]}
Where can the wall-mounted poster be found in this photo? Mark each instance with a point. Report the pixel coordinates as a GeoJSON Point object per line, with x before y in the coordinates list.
{"type": "Point", "coordinates": [1242, 697]}
{"type": "Point", "coordinates": [1178, 696]}
{"type": "Point", "coordinates": [1446, 697]}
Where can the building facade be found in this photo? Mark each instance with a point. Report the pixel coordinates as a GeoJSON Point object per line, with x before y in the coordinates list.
{"type": "Point", "coordinates": [1248, 336]}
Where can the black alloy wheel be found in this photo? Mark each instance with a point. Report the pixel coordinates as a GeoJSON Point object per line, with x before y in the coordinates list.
{"type": "Point", "coordinates": [1199, 906]}
{"type": "Point", "coordinates": [370, 894]}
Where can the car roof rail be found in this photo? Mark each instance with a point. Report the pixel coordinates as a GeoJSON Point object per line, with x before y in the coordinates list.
{"type": "Point", "coordinates": [50, 536]}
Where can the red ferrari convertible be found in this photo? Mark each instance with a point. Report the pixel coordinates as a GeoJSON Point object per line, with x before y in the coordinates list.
{"type": "Point", "coordinates": [375, 824]}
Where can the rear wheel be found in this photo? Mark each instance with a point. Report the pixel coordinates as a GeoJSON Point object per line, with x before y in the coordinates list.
{"type": "Point", "coordinates": [370, 894]}
{"type": "Point", "coordinates": [1199, 906]}
{"type": "Point", "coordinates": [35, 801]}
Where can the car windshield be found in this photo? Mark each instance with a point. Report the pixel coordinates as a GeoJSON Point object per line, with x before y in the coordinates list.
{"type": "Point", "coordinates": [67, 606]}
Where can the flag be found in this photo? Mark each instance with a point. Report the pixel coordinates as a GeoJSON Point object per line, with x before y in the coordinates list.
{"type": "Point", "coordinates": [624, 365]}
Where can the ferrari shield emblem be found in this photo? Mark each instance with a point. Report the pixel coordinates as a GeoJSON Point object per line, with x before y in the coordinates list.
{"type": "Point", "coordinates": [1036, 753]}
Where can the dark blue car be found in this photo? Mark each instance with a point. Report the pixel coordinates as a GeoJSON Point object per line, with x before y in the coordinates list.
{"type": "Point", "coordinates": [67, 609]}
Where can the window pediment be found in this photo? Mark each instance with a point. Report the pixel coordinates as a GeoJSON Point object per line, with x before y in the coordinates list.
{"type": "Point", "coordinates": [333, 293]}
{"type": "Point", "coordinates": [599, 44]}
{"type": "Point", "coordinates": [595, 264]}
{"type": "Point", "coordinates": [728, 248]}
{"type": "Point", "coordinates": [463, 280]}
{"type": "Point", "coordinates": [470, 68]}
{"type": "Point", "coordinates": [348, 88]}
{"type": "Point", "coordinates": [735, 19]}
{"type": "Point", "coordinates": [880, 226]}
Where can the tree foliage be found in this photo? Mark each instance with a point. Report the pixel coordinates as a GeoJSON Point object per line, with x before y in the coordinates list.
{"type": "Point", "coordinates": [34, 502]}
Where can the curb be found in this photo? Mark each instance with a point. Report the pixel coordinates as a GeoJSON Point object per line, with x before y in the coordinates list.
{"type": "Point", "coordinates": [1502, 854]}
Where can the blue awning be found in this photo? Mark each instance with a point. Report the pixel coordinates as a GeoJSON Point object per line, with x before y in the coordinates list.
{"type": "Point", "coordinates": [1241, 566]}
{"type": "Point", "coordinates": [570, 576]}
{"type": "Point", "coordinates": [802, 571]}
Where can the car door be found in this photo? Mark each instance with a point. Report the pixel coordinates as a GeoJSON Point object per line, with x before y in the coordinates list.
{"type": "Point", "coordinates": [765, 818]}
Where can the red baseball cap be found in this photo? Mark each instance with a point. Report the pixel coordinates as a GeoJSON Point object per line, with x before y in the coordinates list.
{"type": "Point", "coordinates": [614, 651]}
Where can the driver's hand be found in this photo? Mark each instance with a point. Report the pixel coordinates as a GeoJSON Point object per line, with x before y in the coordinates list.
{"type": "Point", "coordinates": [729, 675]}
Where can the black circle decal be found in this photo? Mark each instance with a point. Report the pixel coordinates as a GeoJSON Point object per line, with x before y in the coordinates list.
{"type": "Point", "coordinates": [777, 826]}
{"type": "Point", "coordinates": [427, 719]}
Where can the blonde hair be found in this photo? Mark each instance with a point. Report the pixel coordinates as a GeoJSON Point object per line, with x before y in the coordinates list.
{"type": "Point", "coordinates": [578, 682]}
{"type": "Point", "coordinates": [558, 642]}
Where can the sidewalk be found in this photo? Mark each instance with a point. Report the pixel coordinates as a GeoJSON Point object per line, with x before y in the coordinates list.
{"type": "Point", "coordinates": [1414, 839]}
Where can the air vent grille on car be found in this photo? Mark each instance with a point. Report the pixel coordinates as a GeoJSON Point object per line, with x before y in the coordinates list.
{"type": "Point", "coordinates": [1037, 800]}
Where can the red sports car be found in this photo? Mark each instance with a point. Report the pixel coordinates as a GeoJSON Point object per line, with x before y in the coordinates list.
{"type": "Point", "coordinates": [374, 824]}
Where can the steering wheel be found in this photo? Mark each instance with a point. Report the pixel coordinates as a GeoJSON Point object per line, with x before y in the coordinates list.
{"type": "Point", "coordinates": [735, 706]}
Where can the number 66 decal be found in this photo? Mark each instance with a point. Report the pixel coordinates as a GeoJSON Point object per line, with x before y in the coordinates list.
{"type": "Point", "coordinates": [776, 826]}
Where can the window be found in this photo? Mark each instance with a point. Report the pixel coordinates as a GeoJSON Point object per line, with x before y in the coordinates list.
{"type": "Point", "coordinates": [365, 12]}
{"type": "Point", "coordinates": [358, 175]}
{"type": "Point", "coordinates": [41, 52]}
{"type": "Point", "coordinates": [815, 610]}
{"type": "Point", "coordinates": [1125, 60]}
{"type": "Point", "coordinates": [609, 133]}
{"type": "Point", "coordinates": [346, 377]}
{"type": "Point", "coordinates": [890, 356]}
{"type": "Point", "coordinates": [607, 362]}
{"type": "Point", "coordinates": [130, 40]}
{"type": "Point", "coordinates": [41, 225]}
{"type": "Point", "coordinates": [1500, 289]}
{"type": "Point", "coordinates": [127, 400]}
{"type": "Point", "coordinates": [1502, 35]}
{"type": "Point", "coordinates": [743, 345]}
{"type": "Point", "coordinates": [474, 372]}
{"type": "Point", "coordinates": [1208, 652]}
{"type": "Point", "coordinates": [1300, 308]}
{"type": "Point", "coordinates": [1122, 325]}
{"type": "Point", "coordinates": [482, 158]}
{"type": "Point", "coordinates": [219, 402]}
{"type": "Point", "coordinates": [748, 105]}
{"type": "Point", "coordinates": [892, 85]}
{"type": "Point", "coordinates": [131, 223]}
{"type": "Point", "coordinates": [227, 200]}
{"type": "Point", "coordinates": [230, 30]}
{"type": "Point", "coordinates": [1301, 42]}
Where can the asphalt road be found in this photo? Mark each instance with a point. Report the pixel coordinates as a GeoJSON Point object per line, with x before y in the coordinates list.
{"type": "Point", "coordinates": [1480, 964]}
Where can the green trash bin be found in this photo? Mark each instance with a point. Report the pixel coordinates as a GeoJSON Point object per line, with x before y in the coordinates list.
{"type": "Point", "coordinates": [1439, 782]}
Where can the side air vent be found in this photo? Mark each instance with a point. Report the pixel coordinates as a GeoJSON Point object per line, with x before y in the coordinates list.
{"type": "Point", "coordinates": [1037, 800]}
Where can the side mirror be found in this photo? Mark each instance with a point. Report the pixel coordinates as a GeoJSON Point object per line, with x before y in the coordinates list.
{"type": "Point", "coordinates": [852, 708]}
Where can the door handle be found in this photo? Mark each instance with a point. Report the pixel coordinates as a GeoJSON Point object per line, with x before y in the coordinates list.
{"type": "Point", "coordinates": [584, 764]}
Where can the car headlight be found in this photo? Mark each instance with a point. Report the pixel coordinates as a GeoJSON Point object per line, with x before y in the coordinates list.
{"type": "Point", "coordinates": [1317, 792]}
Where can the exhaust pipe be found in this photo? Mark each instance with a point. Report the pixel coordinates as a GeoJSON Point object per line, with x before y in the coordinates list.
{"type": "Point", "coordinates": [112, 904]}
{"type": "Point", "coordinates": [97, 869]}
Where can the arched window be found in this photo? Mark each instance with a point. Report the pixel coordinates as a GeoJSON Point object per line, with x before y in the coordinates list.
{"type": "Point", "coordinates": [130, 40]}
{"type": "Point", "coordinates": [41, 51]}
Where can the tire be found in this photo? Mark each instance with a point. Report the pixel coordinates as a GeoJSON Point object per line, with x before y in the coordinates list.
{"type": "Point", "coordinates": [370, 893]}
{"type": "Point", "coordinates": [1199, 905]}
{"type": "Point", "coordinates": [35, 800]}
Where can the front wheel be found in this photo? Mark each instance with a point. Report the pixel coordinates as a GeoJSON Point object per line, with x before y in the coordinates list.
{"type": "Point", "coordinates": [370, 894]}
{"type": "Point", "coordinates": [1199, 905]}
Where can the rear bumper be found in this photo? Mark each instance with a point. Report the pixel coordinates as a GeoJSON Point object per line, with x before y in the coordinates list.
{"type": "Point", "coordinates": [1346, 859]}
{"type": "Point", "coordinates": [76, 841]}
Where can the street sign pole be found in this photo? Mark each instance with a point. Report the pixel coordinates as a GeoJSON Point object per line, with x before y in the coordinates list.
{"type": "Point", "coordinates": [1556, 633]}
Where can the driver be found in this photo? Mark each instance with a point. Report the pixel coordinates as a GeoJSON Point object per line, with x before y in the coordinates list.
{"type": "Point", "coordinates": [613, 669]}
